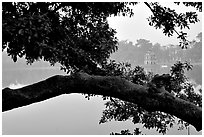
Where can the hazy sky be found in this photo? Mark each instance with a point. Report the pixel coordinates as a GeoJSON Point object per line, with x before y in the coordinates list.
{"type": "Point", "coordinates": [138, 27]}
{"type": "Point", "coordinates": [73, 114]}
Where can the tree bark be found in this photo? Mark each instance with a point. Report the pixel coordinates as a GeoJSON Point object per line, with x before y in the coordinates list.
{"type": "Point", "coordinates": [147, 97]}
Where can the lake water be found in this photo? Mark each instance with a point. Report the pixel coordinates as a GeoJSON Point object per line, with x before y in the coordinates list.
{"type": "Point", "coordinates": [66, 114]}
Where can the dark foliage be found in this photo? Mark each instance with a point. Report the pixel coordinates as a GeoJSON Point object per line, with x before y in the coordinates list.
{"type": "Point", "coordinates": [76, 35]}
{"type": "Point", "coordinates": [168, 20]}
{"type": "Point", "coordinates": [176, 83]}
{"type": "Point", "coordinates": [127, 132]}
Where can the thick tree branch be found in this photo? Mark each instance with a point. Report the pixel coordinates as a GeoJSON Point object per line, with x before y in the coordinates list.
{"type": "Point", "coordinates": [147, 97]}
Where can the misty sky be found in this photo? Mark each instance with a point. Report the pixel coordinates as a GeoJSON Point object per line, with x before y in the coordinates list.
{"type": "Point", "coordinates": [73, 114]}
{"type": "Point", "coordinates": [138, 27]}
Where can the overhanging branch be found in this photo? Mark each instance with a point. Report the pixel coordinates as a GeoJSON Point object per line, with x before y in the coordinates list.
{"type": "Point", "coordinates": [147, 98]}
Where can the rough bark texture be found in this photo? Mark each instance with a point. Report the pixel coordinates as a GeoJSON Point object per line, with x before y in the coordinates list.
{"type": "Point", "coordinates": [149, 98]}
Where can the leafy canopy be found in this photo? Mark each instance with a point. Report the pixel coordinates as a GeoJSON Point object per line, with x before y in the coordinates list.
{"type": "Point", "coordinates": [76, 35]}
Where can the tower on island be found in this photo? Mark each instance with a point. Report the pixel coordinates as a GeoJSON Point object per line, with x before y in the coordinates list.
{"type": "Point", "coordinates": [150, 62]}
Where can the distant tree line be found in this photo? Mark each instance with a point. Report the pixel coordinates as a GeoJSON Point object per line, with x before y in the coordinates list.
{"type": "Point", "coordinates": [134, 53]}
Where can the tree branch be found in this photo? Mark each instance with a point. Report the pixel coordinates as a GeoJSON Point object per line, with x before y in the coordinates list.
{"type": "Point", "coordinates": [148, 5]}
{"type": "Point", "coordinates": [148, 98]}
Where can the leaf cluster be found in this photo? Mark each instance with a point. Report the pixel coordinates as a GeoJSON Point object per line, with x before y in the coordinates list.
{"type": "Point", "coordinates": [76, 35]}
{"type": "Point", "coordinates": [127, 132]}
{"type": "Point", "coordinates": [168, 20]}
{"type": "Point", "coordinates": [197, 5]}
{"type": "Point", "coordinates": [176, 83]}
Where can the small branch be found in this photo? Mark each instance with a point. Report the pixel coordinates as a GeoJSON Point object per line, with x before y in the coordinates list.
{"type": "Point", "coordinates": [176, 32]}
{"type": "Point", "coordinates": [115, 103]}
{"type": "Point", "coordinates": [148, 5]}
